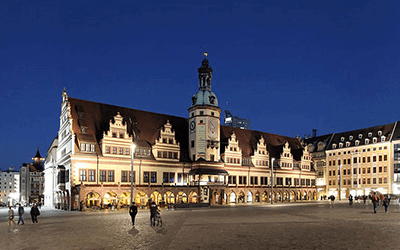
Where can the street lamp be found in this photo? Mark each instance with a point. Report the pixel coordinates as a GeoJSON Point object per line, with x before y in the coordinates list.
{"type": "Point", "coordinates": [131, 175]}
{"type": "Point", "coordinates": [272, 179]}
{"type": "Point", "coordinates": [340, 182]}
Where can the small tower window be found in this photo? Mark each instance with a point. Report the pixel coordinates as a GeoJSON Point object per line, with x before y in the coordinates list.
{"type": "Point", "coordinates": [201, 112]}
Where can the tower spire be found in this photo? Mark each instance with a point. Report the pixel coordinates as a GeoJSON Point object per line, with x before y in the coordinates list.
{"type": "Point", "coordinates": [205, 74]}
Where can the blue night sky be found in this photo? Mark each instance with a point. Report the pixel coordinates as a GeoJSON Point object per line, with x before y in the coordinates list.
{"type": "Point", "coordinates": [288, 67]}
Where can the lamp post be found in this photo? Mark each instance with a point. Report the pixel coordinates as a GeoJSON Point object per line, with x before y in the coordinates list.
{"type": "Point", "coordinates": [131, 175]}
{"type": "Point", "coordinates": [272, 179]}
{"type": "Point", "coordinates": [340, 182]}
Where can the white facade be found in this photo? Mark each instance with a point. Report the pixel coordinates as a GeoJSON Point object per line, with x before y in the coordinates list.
{"type": "Point", "coordinates": [50, 175]}
{"type": "Point", "coordinates": [9, 186]}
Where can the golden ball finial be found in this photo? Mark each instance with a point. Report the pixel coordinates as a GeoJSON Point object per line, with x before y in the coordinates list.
{"type": "Point", "coordinates": [205, 54]}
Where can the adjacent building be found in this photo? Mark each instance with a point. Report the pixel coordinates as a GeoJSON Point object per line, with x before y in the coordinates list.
{"type": "Point", "coordinates": [9, 186]}
{"type": "Point", "coordinates": [102, 152]}
{"type": "Point", "coordinates": [32, 180]}
{"type": "Point", "coordinates": [357, 162]}
{"type": "Point", "coordinates": [234, 121]}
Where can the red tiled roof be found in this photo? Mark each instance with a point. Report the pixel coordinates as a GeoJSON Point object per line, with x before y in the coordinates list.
{"type": "Point", "coordinates": [147, 126]}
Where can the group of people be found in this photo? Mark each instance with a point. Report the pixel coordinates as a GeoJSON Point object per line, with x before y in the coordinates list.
{"type": "Point", "coordinates": [34, 214]}
{"type": "Point", "coordinates": [375, 198]}
{"type": "Point", "coordinates": [155, 217]}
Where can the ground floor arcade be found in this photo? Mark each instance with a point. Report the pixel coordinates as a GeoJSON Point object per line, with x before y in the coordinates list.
{"type": "Point", "coordinates": [102, 196]}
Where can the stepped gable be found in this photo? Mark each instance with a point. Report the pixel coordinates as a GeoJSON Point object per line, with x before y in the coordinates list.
{"type": "Point", "coordinates": [248, 140]}
{"type": "Point", "coordinates": [146, 125]}
{"type": "Point", "coordinates": [386, 131]}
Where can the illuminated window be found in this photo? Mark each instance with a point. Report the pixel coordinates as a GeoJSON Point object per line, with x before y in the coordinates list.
{"type": "Point", "coordinates": [82, 175]}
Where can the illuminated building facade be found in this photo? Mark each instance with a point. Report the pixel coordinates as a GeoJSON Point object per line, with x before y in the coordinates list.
{"type": "Point", "coordinates": [234, 121]}
{"type": "Point", "coordinates": [9, 186]}
{"type": "Point", "coordinates": [175, 160]}
{"type": "Point", "coordinates": [358, 162]}
{"type": "Point", "coordinates": [32, 180]}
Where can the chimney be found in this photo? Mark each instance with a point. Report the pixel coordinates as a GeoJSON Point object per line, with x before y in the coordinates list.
{"type": "Point", "coordinates": [314, 133]}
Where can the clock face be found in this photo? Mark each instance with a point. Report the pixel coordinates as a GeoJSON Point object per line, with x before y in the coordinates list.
{"type": "Point", "coordinates": [192, 125]}
{"type": "Point", "coordinates": [212, 129]}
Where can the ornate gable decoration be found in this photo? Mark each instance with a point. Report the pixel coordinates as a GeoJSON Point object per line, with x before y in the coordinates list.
{"type": "Point", "coordinates": [286, 157]}
{"type": "Point", "coordinates": [117, 140]}
{"type": "Point", "coordinates": [261, 155]}
{"type": "Point", "coordinates": [166, 146]}
{"type": "Point", "coordinates": [233, 153]}
{"type": "Point", "coordinates": [306, 160]}
{"type": "Point", "coordinates": [117, 129]}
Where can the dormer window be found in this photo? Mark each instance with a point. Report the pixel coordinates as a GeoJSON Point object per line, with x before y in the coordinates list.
{"type": "Point", "coordinates": [212, 99]}
{"type": "Point", "coordinates": [359, 136]}
{"type": "Point", "coordinates": [333, 146]}
{"type": "Point", "coordinates": [383, 138]}
{"type": "Point", "coordinates": [366, 141]}
{"type": "Point", "coordinates": [194, 99]}
{"type": "Point", "coordinates": [350, 137]}
{"type": "Point", "coordinates": [340, 145]}
{"type": "Point", "coordinates": [347, 144]}
{"type": "Point", "coordinates": [379, 133]}
{"type": "Point", "coordinates": [84, 130]}
{"type": "Point", "coordinates": [342, 139]}
{"type": "Point", "coordinates": [370, 134]}
{"type": "Point", "coordinates": [374, 140]}
{"type": "Point", "coordinates": [357, 142]}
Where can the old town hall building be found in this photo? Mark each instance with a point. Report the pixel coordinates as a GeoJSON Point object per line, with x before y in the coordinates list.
{"type": "Point", "coordinates": [175, 160]}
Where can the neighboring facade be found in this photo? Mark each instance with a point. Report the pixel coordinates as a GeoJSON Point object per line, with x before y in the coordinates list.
{"type": "Point", "coordinates": [9, 186]}
{"type": "Point", "coordinates": [32, 180]}
{"type": "Point", "coordinates": [175, 160]}
{"type": "Point", "coordinates": [317, 147]}
{"type": "Point", "coordinates": [359, 162]}
{"type": "Point", "coordinates": [234, 121]}
{"type": "Point", "coordinates": [51, 172]}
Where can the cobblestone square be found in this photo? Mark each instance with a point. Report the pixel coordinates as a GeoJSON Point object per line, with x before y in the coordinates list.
{"type": "Point", "coordinates": [313, 225]}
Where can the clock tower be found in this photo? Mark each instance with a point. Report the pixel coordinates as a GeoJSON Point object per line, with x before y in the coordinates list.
{"type": "Point", "coordinates": [204, 118]}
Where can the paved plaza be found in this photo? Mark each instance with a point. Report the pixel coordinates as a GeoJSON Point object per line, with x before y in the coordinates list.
{"type": "Point", "coordinates": [313, 225]}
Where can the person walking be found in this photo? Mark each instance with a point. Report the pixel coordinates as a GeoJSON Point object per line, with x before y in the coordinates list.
{"type": "Point", "coordinates": [10, 216]}
{"type": "Point", "coordinates": [153, 213]}
{"type": "Point", "coordinates": [350, 199]}
{"type": "Point", "coordinates": [132, 213]}
{"type": "Point", "coordinates": [34, 213]}
{"type": "Point", "coordinates": [332, 200]}
{"type": "Point", "coordinates": [375, 201]}
{"type": "Point", "coordinates": [20, 214]}
{"type": "Point", "coordinates": [385, 203]}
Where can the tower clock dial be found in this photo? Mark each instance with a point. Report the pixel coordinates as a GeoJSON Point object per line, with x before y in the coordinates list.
{"type": "Point", "coordinates": [192, 125]}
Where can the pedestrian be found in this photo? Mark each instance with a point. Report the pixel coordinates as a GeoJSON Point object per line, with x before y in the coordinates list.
{"type": "Point", "coordinates": [132, 213]}
{"type": "Point", "coordinates": [385, 203]}
{"type": "Point", "coordinates": [350, 199]}
{"type": "Point", "coordinates": [34, 213]}
{"type": "Point", "coordinates": [375, 201]}
{"type": "Point", "coordinates": [332, 200]}
{"type": "Point", "coordinates": [20, 214]}
{"type": "Point", "coordinates": [365, 198]}
{"type": "Point", "coordinates": [10, 216]}
{"type": "Point", "coordinates": [153, 213]}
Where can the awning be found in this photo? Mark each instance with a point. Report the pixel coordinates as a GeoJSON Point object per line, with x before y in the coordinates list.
{"type": "Point", "coordinates": [211, 171]}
